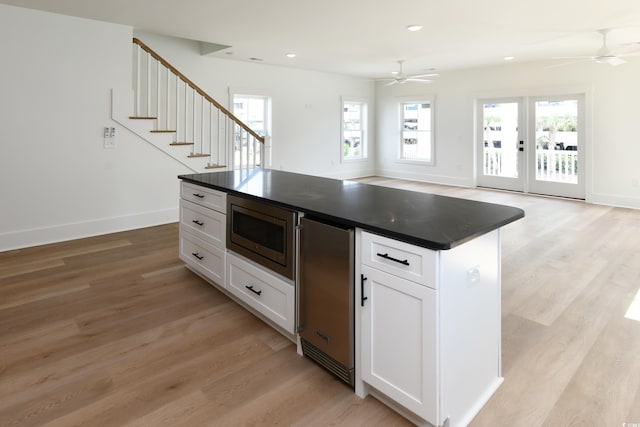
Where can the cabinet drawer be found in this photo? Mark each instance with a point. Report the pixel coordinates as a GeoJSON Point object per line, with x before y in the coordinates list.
{"type": "Point", "coordinates": [203, 196]}
{"type": "Point", "coordinates": [203, 257]}
{"type": "Point", "coordinates": [401, 259]}
{"type": "Point", "coordinates": [267, 294]}
{"type": "Point", "coordinates": [207, 224]}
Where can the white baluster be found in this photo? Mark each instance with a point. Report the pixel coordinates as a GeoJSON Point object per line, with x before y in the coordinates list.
{"type": "Point", "coordinates": [218, 139]}
{"type": "Point", "coordinates": [147, 112]}
{"type": "Point", "coordinates": [210, 132]}
{"type": "Point", "coordinates": [158, 92]}
{"type": "Point", "coordinates": [168, 99]}
{"type": "Point", "coordinates": [247, 149]}
{"type": "Point", "coordinates": [202, 124]}
{"type": "Point", "coordinates": [186, 106]}
{"type": "Point", "coordinates": [193, 121]}
{"type": "Point", "coordinates": [137, 83]}
{"type": "Point", "coordinates": [177, 109]}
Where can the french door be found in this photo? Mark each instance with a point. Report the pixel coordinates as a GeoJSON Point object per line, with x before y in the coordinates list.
{"type": "Point", "coordinates": [533, 144]}
{"type": "Point", "coordinates": [501, 136]}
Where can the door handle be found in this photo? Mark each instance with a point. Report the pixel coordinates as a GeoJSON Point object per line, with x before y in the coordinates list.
{"type": "Point", "coordinates": [362, 297]}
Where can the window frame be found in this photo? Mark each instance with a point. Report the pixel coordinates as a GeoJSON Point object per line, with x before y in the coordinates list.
{"type": "Point", "coordinates": [364, 143]}
{"type": "Point", "coordinates": [268, 119]}
{"type": "Point", "coordinates": [423, 99]}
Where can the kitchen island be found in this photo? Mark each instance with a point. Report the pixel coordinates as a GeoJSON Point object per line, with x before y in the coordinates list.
{"type": "Point", "coordinates": [427, 220]}
{"type": "Point", "coordinates": [427, 268]}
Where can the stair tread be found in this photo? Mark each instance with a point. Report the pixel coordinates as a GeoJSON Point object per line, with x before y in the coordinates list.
{"type": "Point", "coordinates": [142, 118]}
{"type": "Point", "coordinates": [210, 166]}
{"type": "Point", "coordinates": [181, 143]}
{"type": "Point", "coordinates": [192, 155]}
{"type": "Point", "coordinates": [162, 131]}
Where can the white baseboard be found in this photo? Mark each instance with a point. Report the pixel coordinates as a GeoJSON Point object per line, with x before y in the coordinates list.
{"type": "Point", "coordinates": [432, 179]}
{"type": "Point", "coordinates": [614, 200]}
{"type": "Point", "coordinates": [59, 233]}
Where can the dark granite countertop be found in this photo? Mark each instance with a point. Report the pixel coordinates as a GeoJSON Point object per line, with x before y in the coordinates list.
{"type": "Point", "coordinates": [428, 220]}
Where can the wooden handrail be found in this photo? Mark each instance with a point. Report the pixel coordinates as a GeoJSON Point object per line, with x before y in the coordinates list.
{"type": "Point", "coordinates": [197, 89]}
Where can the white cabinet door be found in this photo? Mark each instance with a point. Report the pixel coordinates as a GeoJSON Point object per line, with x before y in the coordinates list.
{"type": "Point", "coordinates": [399, 341]}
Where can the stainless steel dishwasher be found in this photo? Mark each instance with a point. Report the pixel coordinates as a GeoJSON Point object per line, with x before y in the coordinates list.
{"type": "Point", "coordinates": [326, 294]}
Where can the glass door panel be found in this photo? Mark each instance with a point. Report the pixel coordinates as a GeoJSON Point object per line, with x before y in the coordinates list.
{"type": "Point", "coordinates": [556, 163]}
{"type": "Point", "coordinates": [501, 154]}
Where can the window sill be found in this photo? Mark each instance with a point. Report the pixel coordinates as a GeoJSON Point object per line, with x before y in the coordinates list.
{"type": "Point", "coordinates": [358, 160]}
{"type": "Point", "coordinates": [416, 162]}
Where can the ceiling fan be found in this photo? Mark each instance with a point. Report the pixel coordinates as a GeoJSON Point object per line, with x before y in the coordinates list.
{"type": "Point", "coordinates": [606, 55]}
{"type": "Point", "coordinates": [401, 78]}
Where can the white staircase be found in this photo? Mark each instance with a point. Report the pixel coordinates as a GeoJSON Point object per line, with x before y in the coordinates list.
{"type": "Point", "coordinates": [177, 117]}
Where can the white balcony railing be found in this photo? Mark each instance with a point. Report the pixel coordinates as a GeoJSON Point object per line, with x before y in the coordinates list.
{"type": "Point", "coordinates": [551, 165]}
{"type": "Point", "coordinates": [557, 165]}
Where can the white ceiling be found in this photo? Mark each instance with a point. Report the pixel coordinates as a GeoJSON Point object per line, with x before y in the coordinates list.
{"type": "Point", "coordinates": [366, 37]}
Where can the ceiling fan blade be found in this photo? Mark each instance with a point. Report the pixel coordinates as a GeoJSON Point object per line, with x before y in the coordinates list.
{"type": "Point", "coordinates": [616, 61]}
{"type": "Point", "coordinates": [411, 79]}
{"type": "Point", "coordinates": [391, 83]}
{"type": "Point", "coordinates": [425, 75]}
{"type": "Point", "coordinates": [627, 50]}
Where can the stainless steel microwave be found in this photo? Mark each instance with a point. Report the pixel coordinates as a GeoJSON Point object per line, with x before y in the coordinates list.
{"type": "Point", "coordinates": [263, 233]}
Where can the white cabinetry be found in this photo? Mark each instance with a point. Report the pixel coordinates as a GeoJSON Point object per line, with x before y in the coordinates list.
{"type": "Point", "coordinates": [428, 327]}
{"type": "Point", "coordinates": [266, 293]}
{"type": "Point", "coordinates": [203, 224]}
{"type": "Point", "coordinates": [203, 231]}
{"type": "Point", "coordinates": [399, 341]}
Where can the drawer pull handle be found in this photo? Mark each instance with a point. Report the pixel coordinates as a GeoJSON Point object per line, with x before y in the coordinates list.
{"type": "Point", "coordinates": [250, 287]}
{"type": "Point", "coordinates": [200, 196]}
{"type": "Point", "coordinates": [400, 261]}
{"type": "Point", "coordinates": [200, 223]}
{"type": "Point", "coordinates": [197, 255]}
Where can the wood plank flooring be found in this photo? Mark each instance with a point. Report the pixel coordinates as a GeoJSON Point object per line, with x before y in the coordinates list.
{"type": "Point", "coordinates": [114, 331]}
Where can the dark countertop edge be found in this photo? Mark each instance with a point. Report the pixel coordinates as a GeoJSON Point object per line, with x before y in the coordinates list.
{"type": "Point", "coordinates": [376, 230]}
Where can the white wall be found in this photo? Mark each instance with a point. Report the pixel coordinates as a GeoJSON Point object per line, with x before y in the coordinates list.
{"type": "Point", "coordinates": [613, 112]}
{"type": "Point", "coordinates": [306, 104]}
{"type": "Point", "coordinates": [56, 180]}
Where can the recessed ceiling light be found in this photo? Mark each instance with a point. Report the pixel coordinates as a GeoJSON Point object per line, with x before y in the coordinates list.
{"type": "Point", "coordinates": [509, 58]}
{"type": "Point", "coordinates": [291, 55]}
{"type": "Point", "coordinates": [414, 27]}
{"type": "Point", "coordinates": [394, 72]}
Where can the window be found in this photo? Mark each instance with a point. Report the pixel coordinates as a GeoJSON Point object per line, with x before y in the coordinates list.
{"type": "Point", "coordinates": [416, 140]}
{"type": "Point", "coordinates": [255, 111]}
{"type": "Point", "coordinates": [354, 125]}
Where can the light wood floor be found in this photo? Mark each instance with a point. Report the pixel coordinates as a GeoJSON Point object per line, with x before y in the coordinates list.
{"type": "Point", "coordinates": [114, 331]}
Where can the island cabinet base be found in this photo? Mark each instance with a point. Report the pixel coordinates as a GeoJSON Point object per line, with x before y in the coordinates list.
{"type": "Point", "coordinates": [428, 344]}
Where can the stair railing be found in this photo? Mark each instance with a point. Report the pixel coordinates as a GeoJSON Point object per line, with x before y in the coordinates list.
{"type": "Point", "coordinates": [163, 93]}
